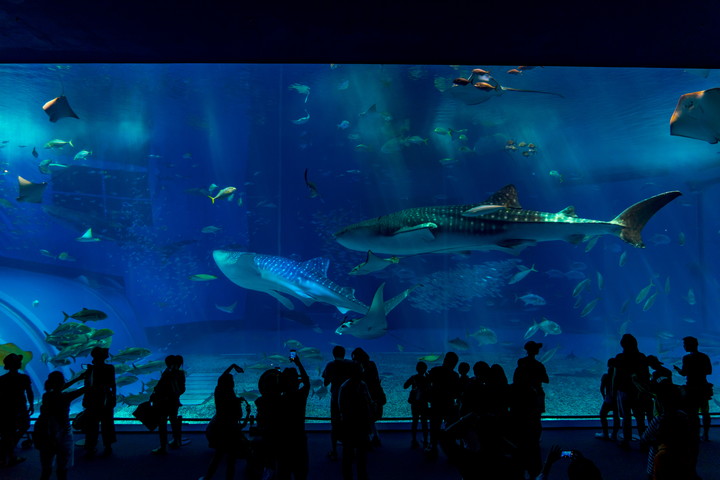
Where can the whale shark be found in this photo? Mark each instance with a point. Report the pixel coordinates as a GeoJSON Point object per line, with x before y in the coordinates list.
{"type": "Point", "coordinates": [459, 228]}
{"type": "Point", "coordinates": [307, 281]}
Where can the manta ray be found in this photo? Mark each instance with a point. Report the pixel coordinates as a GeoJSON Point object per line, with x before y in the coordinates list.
{"type": "Point", "coordinates": [58, 108]}
{"type": "Point", "coordinates": [480, 87]}
{"type": "Point", "coordinates": [30, 192]}
{"type": "Point", "coordinates": [307, 281]}
{"type": "Point", "coordinates": [459, 228]}
{"type": "Point", "coordinates": [697, 115]}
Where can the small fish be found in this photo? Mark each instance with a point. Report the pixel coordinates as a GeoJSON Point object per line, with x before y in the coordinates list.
{"type": "Point", "coordinates": [514, 71]}
{"type": "Point", "coordinates": [600, 281]}
{"type": "Point", "coordinates": [459, 344]}
{"type": "Point", "coordinates": [591, 243]}
{"type": "Point", "coordinates": [82, 155]}
{"type": "Point", "coordinates": [690, 297]}
{"type": "Point", "coordinates": [624, 327]}
{"type": "Point", "coordinates": [225, 192]}
{"type": "Point", "coordinates": [46, 253]}
{"type": "Point", "coordinates": [481, 210]}
{"type": "Point", "coordinates": [86, 315]}
{"type": "Point", "coordinates": [531, 299]}
{"type": "Point", "coordinates": [430, 358]}
{"type": "Point", "coordinates": [202, 277]}
{"type": "Point", "coordinates": [227, 309]}
{"type": "Point", "coordinates": [343, 125]}
{"type": "Point", "coordinates": [87, 237]}
{"type": "Point", "coordinates": [485, 336]}
{"type": "Point", "coordinates": [443, 131]}
{"type": "Point", "coordinates": [57, 143]}
{"type": "Point", "coordinates": [623, 259]}
{"type": "Point", "coordinates": [555, 174]}
{"type": "Point", "coordinates": [531, 331]}
{"type": "Point", "coordinates": [101, 333]}
{"type": "Point", "coordinates": [625, 306]}
{"type": "Point", "coordinates": [415, 140]}
{"type": "Point", "coordinates": [210, 229]}
{"type": "Point", "coordinates": [665, 335]}
{"type": "Point", "coordinates": [35, 303]}
{"type": "Point", "coordinates": [549, 327]}
{"type": "Point", "coordinates": [580, 287]}
{"type": "Point", "coordinates": [361, 147]}
{"type": "Point", "coordinates": [301, 89]}
{"type": "Point", "coordinates": [545, 357]}
{"type": "Point", "coordinates": [650, 302]}
{"type": "Point", "coordinates": [681, 239]}
{"type": "Point", "coordinates": [589, 307]}
{"type": "Point", "coordinates": [125, 380]}
{"type": "Point", "coordinates": [302, 120]}
{"type": "Point", "coordinates": [34, 153]}
{"type": "Point", "coordinates": [66, 257]}
{"type": "Point", "coordinates": [343, 85]}
{"type": "Point", "coordinates": [642, 294]}
{"type": "Point", "coordinates": [311, 186]}
{"type": "Point", "coordinates": [521, 274]}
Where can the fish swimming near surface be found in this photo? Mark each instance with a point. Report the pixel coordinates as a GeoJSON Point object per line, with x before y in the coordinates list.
{"type": "Point", "coordinates": [30, 192]}
{"type": "Point", "coordinates": [279, 276]}
{"type": "Point", "coordinates": [58, 108]}
{"type": "Point", "coordinates": [697, 115]}
{"type": "Point", "coordinates": [445, 229]}
{"type": "Point", "coordinates": [87, 315]}
{"type": "Point", "coordinates": [480, 87]}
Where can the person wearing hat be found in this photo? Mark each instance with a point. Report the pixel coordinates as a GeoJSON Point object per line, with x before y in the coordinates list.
{"type": "Point", "coordinates": [99, 402]}
{"type": "Point", "coordinates": [528, 407]}
{"type": "Point", "coordinates": [16, 406]}
{"type": "Point", "coordinates": [696, 366]}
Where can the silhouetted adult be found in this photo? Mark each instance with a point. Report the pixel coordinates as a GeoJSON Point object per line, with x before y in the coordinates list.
{"type": "Point", "coordinates": [444, 392]}
{"type": "Point", "coordinates": [631, 368]}
{"type": "Point", "coordinates": [270, 421]}
{"type": "Point", "coordinates": [527, 406]}
{"type": "Point", "coordinates": [356, 417]}
{"type": "Point", "coordinates": [696, 366]}
{"type": "Point", "coordinates": [294, 461]}
{"type": "Point", "coordinates": [99, 402]}
{"type": "Point", "coordinates": [335, 374]}
{"type": "Point", "coordinates": [371, 377]}
{"type": "Point", "coordinates": [609, 404]}
{"type": "Point", "coordinates": [419, 385]}
{"type": "Point", "coordinates": [475, 394]}
{"type": "Point", "coordinates": [166, 398]}
{"type": "Point", "coordinates": [16, 406]}
{"type": "Point", "coordinates": [498, 392]}
{"type": "Point", "coordinates": [52, 434]}
{"type": "Point", "coordinates": [224, 432]}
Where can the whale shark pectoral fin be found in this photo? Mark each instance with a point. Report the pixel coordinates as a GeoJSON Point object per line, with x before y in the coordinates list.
{"type": "Point", "coordinates": [280, 298]}
{"type": "Point", "coordinates": [421, 232]}
{"type": "Point", "coordinates": [342, 310]}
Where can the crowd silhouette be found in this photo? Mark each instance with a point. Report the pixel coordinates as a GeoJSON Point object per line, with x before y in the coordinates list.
{"type": "Point", "coordinates": [487, 427]}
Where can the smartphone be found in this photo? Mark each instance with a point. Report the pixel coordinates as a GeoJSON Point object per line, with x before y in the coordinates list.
{"type": "Point", "coordinates": [293, 354]}
{"type": "Point", "coordinates": [84, 366]}
{"type": "Point", "coordinates": [566, 454]}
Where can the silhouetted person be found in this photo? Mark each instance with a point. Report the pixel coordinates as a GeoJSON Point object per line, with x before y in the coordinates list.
{"type": "Point", "coordinates": [166, 398]}
{"type": "Point", "coordinates": [16, 406]}
{"type": "Point", "coordinates": [356, 418]}
{"type": "Point", "coordinates": [335, 374]}
{"type": "Point", "coordinates": [609, 404]}
{"type": "Point", "coordinates": [696, 367]}
{"type": "Point", "coordinates": [224, 431]}
{"type": "Point", "coordinates": [631, 368]}
{"type": "Point", "coordinates": [99, 402]}
{"type": "Point", "coordinates": [371, 377]}
{"type": "Point", "coordinates": [294, 460]}
{"type": "Point", "coordinates": [579, 468]}
{"type": "Point", "coordinates": [475, 394]}
{"type": "Point", "coordinates": [527, 406]}
{"type": "Point", "coordinates": [419, 385]}
{"type": "Point", "coordinates": [270, 420]}
{"type": "Point", "coordinates": [444, 391]}
{"type": "Point", "coordinates": [498, 392]}
{"type": "Point", "coordinates": [52, 434]}
{"type": "Point", "coordinates": [659, 376]}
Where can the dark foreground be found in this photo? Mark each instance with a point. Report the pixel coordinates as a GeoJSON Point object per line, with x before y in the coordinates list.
{"type": "Point", "coordinates": [131, 459]}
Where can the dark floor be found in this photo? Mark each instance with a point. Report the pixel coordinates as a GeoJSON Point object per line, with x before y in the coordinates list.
{"type": "Point", "coordinates": [394, 460]}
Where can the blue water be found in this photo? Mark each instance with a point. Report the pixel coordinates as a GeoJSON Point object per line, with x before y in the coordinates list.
{"type": "Point", "coordinates": [159, 134]}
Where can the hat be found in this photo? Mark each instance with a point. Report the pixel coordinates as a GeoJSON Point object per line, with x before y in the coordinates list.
{"type": "Point", "coordinates": [533, 346]}
{"type": "Point", "coordinates": [100, 353]}
{"type": "Point", "coordinates": [12, 360]}
{"type": "Point", "coordinates": [653, 360]}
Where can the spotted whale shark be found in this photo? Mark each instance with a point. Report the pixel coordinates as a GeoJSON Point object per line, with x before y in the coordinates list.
{"type": "Point", "coordinates": [498, 223]}
{"type": "Point", "coordinates": [307, 281]}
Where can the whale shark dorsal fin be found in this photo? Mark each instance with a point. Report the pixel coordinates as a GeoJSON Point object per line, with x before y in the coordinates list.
{"type": "Point", "coordinates": [568, 211]}
{"type": "Point", "coordinates": [318, 264]}
{"type": "Point", "coordinates": [507, 196]}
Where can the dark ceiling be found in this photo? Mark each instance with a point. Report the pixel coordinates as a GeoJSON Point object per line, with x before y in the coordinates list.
{"type": "Point", "coordinates": [638, 33]}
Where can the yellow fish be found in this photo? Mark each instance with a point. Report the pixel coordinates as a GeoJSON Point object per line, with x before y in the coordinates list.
{"type": "Point", "coordinates": [8, 348]}
{"type": "Point", "coordinates": [225, 192]}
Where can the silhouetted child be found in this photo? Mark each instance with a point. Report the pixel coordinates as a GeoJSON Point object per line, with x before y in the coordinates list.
{"type": "Point", "coordinates": [609, 404]}
{"type": "Point", "coordinates": [418, 399]}
{"type": "Point", "coordinates": [16, 406]}
{"type": "Point", "coordinates": [463, 370]}
{"type": "Point", "coordinates": [99, 402]}
{"type": "Point", "coordinates": [52, 434]}
{"type": "Point", "coordinates": [166, 398]}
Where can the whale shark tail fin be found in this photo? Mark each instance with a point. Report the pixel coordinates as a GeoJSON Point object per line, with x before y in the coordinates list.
{"type": "Point", "coordinates": [634, 218]}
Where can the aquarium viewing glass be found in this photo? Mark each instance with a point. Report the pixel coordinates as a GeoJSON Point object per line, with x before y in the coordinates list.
{"type": "Point", "coordinates": [141, 207]}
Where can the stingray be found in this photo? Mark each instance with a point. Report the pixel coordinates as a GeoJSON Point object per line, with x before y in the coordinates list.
{"type": "Point", "coordinates": [58, 108]}
{"type": "Point", "coordinates": [29, 191]}
{"type": "Point", "coordinates": [372, 264]}
{"type": "Point", "coordinates": [697, 115]}
{"type": "Point", "coordinates": [480, 87]}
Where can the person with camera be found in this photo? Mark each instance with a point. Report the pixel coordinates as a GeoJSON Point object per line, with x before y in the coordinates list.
{"type": "Point", "coordinates": [224, 432]}
{"type": "Point", "coordinates": [293, 459]}
{"type": "Point", "coordinates": [99, 402]}
{"type": "Point", "coordinates": [16, 406]}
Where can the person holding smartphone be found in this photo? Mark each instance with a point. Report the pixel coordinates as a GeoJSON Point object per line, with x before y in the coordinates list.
{"type": "Point", "coordinates": [293, 460]}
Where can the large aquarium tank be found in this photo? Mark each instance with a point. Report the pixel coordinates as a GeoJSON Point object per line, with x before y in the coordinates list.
{"type": "Point", "coordinates": [230, 213]}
